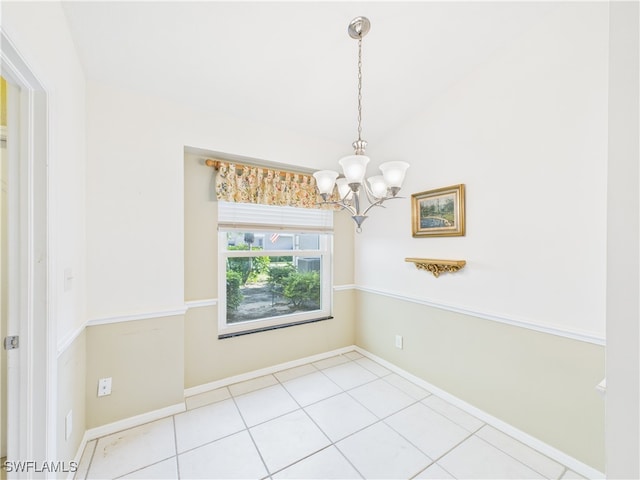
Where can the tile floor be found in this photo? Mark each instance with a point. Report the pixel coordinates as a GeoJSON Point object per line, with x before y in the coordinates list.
{"type": "Point", "coordinates": [345, 417]}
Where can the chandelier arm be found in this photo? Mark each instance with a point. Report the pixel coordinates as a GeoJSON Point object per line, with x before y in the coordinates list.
{"type": "Point", "coordinates": [349, 208]}
{"type": "Point", "coordinates": [375, 204]}
{"type": "Point", "coordinates": [345, 200]}
{"type": "Point", "coordinates": [370, 197]}
{"type": "Point", "coordinates": [379, 203]}
{"type": "Point", "coordinates": [342, 205]}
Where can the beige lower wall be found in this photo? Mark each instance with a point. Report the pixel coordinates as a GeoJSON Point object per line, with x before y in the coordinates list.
{"type": "Point", "coordinates": [71, 397]}
{"type": "Point", "coordinates": [145, 359]}
{"type": "Point", "coordinates": [539, 383]}
{"type": "Point", "coordinates": [208, 359]}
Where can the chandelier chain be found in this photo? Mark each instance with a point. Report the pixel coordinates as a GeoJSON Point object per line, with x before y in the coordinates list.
{"type": "Point", "coordinates": [359, 89]}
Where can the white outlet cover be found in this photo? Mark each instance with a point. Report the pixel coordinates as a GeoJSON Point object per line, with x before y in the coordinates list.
{"type": "Point", "coordinates": [104, 387]}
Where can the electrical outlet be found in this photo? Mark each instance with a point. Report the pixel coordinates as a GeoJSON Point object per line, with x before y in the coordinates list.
{"type": "Point", "coordinates": [68, 425]}
{"type": "Point", "coordinates": [104, 387]}
{"type": "Point", "coordinates": [399, 341]}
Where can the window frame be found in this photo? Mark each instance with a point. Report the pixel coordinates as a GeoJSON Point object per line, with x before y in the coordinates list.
{"type": "Point", "coordinates": [324, 251]}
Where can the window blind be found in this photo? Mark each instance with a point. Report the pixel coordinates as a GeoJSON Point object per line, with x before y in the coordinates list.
{"type": "Point", "coordinates": [255, 216]}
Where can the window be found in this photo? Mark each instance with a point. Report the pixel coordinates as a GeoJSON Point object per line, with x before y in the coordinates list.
{"type": "Point", "coordinates": [275, 266]}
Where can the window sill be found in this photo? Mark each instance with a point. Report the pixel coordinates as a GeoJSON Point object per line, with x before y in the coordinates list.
{"type": "Point", "coordinates": [272, 327]}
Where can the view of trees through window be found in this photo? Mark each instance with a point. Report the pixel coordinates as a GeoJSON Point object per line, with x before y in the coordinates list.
{"type": "Point", "coordinates": [271, 274]}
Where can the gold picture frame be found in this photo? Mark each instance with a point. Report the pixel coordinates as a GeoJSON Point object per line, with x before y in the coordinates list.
{"type": "Point", "coordinates": [439, 212]}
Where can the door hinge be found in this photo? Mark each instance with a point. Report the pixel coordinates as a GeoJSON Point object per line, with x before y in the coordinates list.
{"type": "Point", "coordinates": [12, 342]}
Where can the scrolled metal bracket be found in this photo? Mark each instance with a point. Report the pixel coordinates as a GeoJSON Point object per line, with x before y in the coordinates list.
{"type": "Point", "coordinates": [437, 266]}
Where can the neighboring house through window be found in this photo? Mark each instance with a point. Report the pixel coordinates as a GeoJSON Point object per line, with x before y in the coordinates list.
{"type": "Point", "coordinates": [274, 266]}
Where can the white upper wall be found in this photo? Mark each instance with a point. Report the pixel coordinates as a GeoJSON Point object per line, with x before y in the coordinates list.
{"type": "Point", "coordinates": [135, 193]}
{"type": "Point", "coordinates": [527, 133]}
{"type": "Point", "coordinates": [41, 36]}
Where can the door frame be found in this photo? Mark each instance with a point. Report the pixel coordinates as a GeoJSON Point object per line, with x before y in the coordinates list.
{"type": "Point", "coordinates": [32, 373]}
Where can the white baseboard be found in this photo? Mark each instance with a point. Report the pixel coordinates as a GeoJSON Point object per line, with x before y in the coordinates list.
{"type": "Point", "coordinates": [189, 392]}
{"type": "Point", "coordinates": [542, 447]}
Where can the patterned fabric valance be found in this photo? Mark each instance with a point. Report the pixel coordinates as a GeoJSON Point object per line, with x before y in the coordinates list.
{"type": "Point", "coordinates": [250, 184]}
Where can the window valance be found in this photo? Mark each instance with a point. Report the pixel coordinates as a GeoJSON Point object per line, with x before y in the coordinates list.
{"type": "Point", "coordinates": [236, 182]}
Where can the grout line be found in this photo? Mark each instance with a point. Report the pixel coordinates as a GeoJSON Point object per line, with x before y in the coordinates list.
{"type": "Point", "coordinates": [348, 460]}
{"type": "Point", "coordinates": [331, 442]}
{"type": "Point", "coordinates": [188, 409]}
{"type": "Point", "coordinates": [210, 442]}
{"type": "Point", "coordinates": [428, 393]}
{"type": "Point", "coordinates": [565, 468]}
{"type": "Point", "coordinates": [508, 454]}
{"type": "Point", "coordinates": [143, 467]}
{"type": "Point", "coordinates": [423, 469]}
{"type": "Point", "coordinates": [347, 392]}
{"type": "Point", "coordinates": [440, 466]}
{"type": "Point", "coordinates": [415, 401]}
{"type": "Point", "coordinates": [126, 430]}
{"type": "Point", "coordinates": [175, 443]}
{"type": "Point", "coordinates": [95, 447]}
{"type": "Point", "coordinates": [248, 430]}
{"type": "Point", "coordinates": [431, 465]}
{"type": "Point", "coordinates": [436, 460]}
{"type": "Point", "coordinates": [302, 458]}
{"type": "Point", "coordinates": [472, 431]}
{"type": "Point", "coordinates": [515, 458]}
{"type": "Point", "coordinates": [228, 387]}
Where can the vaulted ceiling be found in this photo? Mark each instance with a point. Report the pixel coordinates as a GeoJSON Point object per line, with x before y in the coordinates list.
{"type": "Point", "coordinates": [293, 64]}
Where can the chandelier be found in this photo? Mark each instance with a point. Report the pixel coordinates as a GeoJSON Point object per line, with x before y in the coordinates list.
{"type": "Point", "coordinates": [351, 185]}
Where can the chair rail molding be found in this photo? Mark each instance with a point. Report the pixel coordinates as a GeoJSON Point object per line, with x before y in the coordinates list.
{"type": "Point", "coordinates": [583, 336]}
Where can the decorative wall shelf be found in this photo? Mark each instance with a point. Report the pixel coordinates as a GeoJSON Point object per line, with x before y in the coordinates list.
{"type": "Point", "coordinates": [437, 266]}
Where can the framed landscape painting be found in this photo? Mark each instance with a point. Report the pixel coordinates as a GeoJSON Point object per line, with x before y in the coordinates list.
{"type": "Point", "coordinates": [438, 213]}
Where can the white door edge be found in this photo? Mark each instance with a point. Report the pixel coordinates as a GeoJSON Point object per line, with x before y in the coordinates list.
{"type": "Point", "coordinates": [32, 373]}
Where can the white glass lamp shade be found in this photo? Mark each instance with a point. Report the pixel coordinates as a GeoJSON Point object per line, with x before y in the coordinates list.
{"type": "Point", "coordinates": [354, 167]}
{"type": "Point", "coordinates": [394, 172]}
{"type": "Point", "coordinates": [378, 186]}
{"type": "Point", "coordinates": [344, 189]}
{"type": "Point", "coordinates": [325, 180]}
